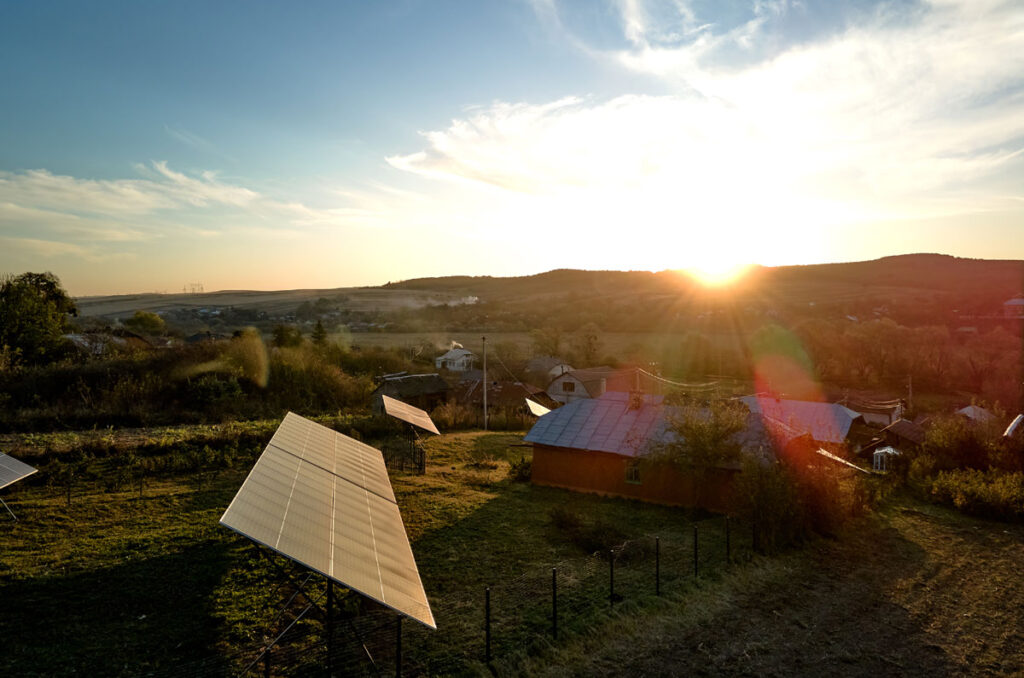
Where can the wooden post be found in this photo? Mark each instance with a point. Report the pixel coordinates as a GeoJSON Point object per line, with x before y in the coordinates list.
{"type": "Point", "coordinates": [728, 542]}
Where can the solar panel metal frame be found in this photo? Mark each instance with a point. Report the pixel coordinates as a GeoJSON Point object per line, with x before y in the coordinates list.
{"type": "Point", "coordinates": [12, 470]}
{"type": "Point", "coordinates": [409, 414]}
{"type": "Point", "coordinates": [536, 409]}
{"type": "Point", "coordinates": [332, 515]}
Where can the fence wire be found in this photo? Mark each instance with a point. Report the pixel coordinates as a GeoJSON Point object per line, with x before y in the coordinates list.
{"type": "Point", "coordinates": [567, 597]}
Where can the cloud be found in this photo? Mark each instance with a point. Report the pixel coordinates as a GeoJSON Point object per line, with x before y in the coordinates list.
{"type": "Point", "coordinates": [51, 249]}
{"type": "Point", "coordinates": [886, 114]}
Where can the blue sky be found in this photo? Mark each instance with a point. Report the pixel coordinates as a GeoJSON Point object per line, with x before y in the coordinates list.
{"type": "Point", "coordinates": [279, 145]}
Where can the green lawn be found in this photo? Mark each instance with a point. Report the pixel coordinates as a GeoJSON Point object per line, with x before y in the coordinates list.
{"type": "Point", "coordinates": [116, 584]}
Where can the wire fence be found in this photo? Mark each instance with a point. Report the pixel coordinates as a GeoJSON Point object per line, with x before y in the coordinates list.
{"type": "Point", "coordinates": [499, 624]}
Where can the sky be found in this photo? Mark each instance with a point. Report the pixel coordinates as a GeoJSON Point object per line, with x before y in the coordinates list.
{"type": "Point", "coordinates": [146, 146]}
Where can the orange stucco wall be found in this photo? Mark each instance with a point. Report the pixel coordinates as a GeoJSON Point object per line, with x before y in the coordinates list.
{"type": "Point", "coordinates": [604, 473]}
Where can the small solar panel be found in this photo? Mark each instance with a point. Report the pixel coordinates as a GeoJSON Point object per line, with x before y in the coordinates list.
{"type": "Point", "coordinates": [409, 414]}
{"type": "Point", "coordinates": [12, 470]}
{"type": "Point", "coordinates": [318, 497]}
{"type": "Point", "coordinates": [536, 409]}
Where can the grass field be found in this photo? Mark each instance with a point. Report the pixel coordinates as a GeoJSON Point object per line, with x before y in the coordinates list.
{"type": "Point", "coordinates": [118, 584]}
{"type": "Point", "coordinates": [115, 584]}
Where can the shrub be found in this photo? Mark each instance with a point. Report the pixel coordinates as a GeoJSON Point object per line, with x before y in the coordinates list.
{"type": "Point", "coordinates": [520, 471]}
{"type": "Point", "coordinates": [989, 494]}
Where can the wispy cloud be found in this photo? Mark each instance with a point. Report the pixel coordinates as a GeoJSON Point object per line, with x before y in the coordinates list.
{"type": "Point", "coordinates": [888, 114]}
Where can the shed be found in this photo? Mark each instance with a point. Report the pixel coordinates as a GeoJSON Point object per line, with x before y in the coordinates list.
{"type": "Point", "coordinates": [425, 391]}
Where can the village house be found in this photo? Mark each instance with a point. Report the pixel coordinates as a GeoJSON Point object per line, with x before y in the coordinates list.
{"type": "Point", "coordinates": [593, 382]}
{"type": "Point", "coordinates": [543, 369]}
{"type": "Point", "coordinates": [831, 426]}
{"type": "Point", "coordinates": [455, 360]}
{"type": "Point", "coordinates": [598, 445]}
{"type": "Point", "coordinates": [425, 391]}
{"type": "Point", "coordinates": [1014, 308]}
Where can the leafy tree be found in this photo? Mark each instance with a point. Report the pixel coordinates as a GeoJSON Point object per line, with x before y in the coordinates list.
{"type": "Point", "coordinates": [145, 322]}
{"type": "Point", "coordinates": [319, 334]}
{"type": "Point", "coordinates": [587, 344]}
{"type": "Point", "coordinates": [546, 341]}
{"type": "Point", "coordinates": [706, 438]}
{"type": "Point", "coordinates": [287, 336]}
{"type": "Point", "coordinates": [34, 310]}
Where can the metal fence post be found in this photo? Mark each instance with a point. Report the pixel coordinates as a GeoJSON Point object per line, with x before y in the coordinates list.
{"type": "Point", "coordinates": [554, 602]}
{"type": "Point", "coordinates": [487, 624]}
{"type": "Point", "coordinates": [266, 664]}
{"type": "Point", "coordinates": [728, 542]}
{"type": "Point", "coordinates": [330, 627]}
{"type": "Point", "coordinates": [695, 573]}
{"type": "Point", "coordinates": [657, 566]}
{"type": "Point", "coordinates": [611, 579]}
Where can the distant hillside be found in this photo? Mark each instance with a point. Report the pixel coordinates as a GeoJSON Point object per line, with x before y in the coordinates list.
{"type": "Point", "coordinates": [971, 286]}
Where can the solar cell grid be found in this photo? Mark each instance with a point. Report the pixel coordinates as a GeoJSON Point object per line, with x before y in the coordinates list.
{"type": "Point", "coordinates": [339, 524]}
{"type": "Point", "coordinates": [409, 414]}
{"type": "Point", "coordinates": [12, 470]}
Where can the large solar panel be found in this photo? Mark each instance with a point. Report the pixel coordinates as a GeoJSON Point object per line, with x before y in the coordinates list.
{"type": "Point", "coordinates": [536, 409]}
{"type": "Point", "coordinates": [12, 470]}
{"type": "Point", "coordinates": [409, 414]}
{"type": "Point", "coordinates": [325, 501]}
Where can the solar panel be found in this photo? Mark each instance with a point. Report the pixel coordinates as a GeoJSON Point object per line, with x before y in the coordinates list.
{"type": "Point", "coordinates": [409, 414]}
{"type": "Point", "coordinates": [536, 409]}
{"type": "Point", "coordinates": [324, 500]}
{"type": "Point", "coordinates": [12, 470]}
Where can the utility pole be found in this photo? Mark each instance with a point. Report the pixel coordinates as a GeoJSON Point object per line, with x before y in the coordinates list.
{"type": "Point", "coordinates": [485, 381]}
{"type": "Point", "coordinates": [910, 392]}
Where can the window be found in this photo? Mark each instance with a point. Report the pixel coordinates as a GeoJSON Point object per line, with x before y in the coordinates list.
{"type": "Point", "coordinates": [633, 473]}
{"type": "Point", "coordinates": [568, 387]}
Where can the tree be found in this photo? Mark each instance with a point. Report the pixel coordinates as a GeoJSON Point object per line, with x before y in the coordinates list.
{"type": "Point", "coordinates": [287, 335]}
{"type": "Point", "coordinates": [546, 341]}
{"type": "Point", "coordinates": [706, 438]}
{"type": "Point", "coordinates": [587, 344]}
{"type": "Point", "coordinates": [319, 334]}
{"type": "Point", "coordinates": [34, 311]}
{"type": "Point", "coordinates": [145, 322]}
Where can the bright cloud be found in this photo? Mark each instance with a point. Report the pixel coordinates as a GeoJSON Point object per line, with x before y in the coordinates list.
{"type": "Point", "coordinates": [914, 116]}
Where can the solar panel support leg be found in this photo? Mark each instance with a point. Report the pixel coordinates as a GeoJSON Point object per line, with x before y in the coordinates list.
{"type": "Point", "coordinates": [487, 625]}
{"type": "Point", "coordinates": [330, 627]}
{"type": "Point", "coordinates": [398, 648]}
{"type": "Point", "coordinates": [8, 509]}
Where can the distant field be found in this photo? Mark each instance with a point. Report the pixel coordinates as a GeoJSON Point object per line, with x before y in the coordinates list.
{"type": "Point", "coordinates": [271, 302]}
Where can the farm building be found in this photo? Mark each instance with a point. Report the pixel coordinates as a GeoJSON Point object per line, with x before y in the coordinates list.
{"type": "Point", "coordinates": [831, 426]}
{"type": "Point", "coordinates": [1014, 308]}
{"type": "Point", "coordinates": [455, 360]}
{"type": "Point", "coordinates": [973, 413]}
{"type": "Point", "coordinates": [425, 391]}
{"type": "Point", "coordinates": [598, 445]}
{"type": "Point", "coordinates": [543, 369]}
{"type": "Point", "coordinates": [594, 382]}
{"type": "Point", "coordinates": [899, 437]}
{"type": "Point", "coordinates": [508, 397]}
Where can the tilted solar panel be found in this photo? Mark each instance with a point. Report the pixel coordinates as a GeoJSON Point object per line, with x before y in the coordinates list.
{"type": "Point", "coordinates": [12, 470]}
{"type": "Point", "coordinates": [314, 496]}
{"type": "Point", "coordinates": [536, 409]}
{"type": "Point", "coordinates": [409, 414]}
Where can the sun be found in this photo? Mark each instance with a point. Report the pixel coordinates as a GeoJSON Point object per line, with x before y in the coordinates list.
{"type": "Point", "coordinates": [716, 272]}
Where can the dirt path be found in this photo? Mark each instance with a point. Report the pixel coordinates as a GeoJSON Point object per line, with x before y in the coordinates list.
{"type": "Point", "coordinates": [914, 592]}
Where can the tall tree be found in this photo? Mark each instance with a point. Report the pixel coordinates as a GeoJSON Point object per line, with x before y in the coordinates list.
{"type": "Point", "coordinates": [34, 315]}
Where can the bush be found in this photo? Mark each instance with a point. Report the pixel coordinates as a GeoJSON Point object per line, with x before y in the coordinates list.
{"type": "Point", "coordinates": [521, 471]}
{"type": "Point", "coordinates": [989, 494]}
{"type": "Point", "coordinates": [598, 537]}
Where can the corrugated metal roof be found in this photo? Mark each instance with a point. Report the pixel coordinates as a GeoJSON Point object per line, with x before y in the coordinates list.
{"type": "Point", "coordinates": [607, 424]}
{"type": "Point", "coordinates": [825, 422]}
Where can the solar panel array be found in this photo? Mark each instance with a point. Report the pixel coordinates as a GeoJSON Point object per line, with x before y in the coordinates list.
{"type": "Point", "coordinates": [409, 414]}
{"type": "Point", "coordinates": [12, 470]}
{"type": "Point", "coordinates": [325, 501]}
{"type": "Point", "coordinates": [536, 409]}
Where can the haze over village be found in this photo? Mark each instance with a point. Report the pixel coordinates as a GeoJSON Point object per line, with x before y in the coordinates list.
{"type": "Point", "coordinates": [533, 337]}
